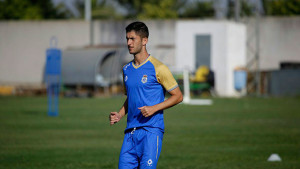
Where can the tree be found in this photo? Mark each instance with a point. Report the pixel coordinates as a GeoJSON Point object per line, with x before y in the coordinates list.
{"type": "Point", "coordinates": [31, 10]}
{"type": "Point", "coordinates": [246, 9]}
{"type": "Point", "coordinates": [151, 9]}
{"type": "Point", "coordinates": [282, 7]}
{"type": "Point", "coordinates": [164, 9]}
{"type": "Point", "coordinates": [100, 9]}
{"type": "Point", "coordinates": [198, 10]}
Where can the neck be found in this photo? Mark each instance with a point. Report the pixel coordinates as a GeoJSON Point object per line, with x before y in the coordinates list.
{"type": "Point", "coordinates": [140, 57]}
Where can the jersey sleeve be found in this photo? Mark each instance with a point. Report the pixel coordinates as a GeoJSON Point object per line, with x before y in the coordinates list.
{"type": "Point", "coordinates": [165, 78]}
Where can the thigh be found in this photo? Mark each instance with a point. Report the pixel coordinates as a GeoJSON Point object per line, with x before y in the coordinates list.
{"type": "Point", "coordinates": [151, 148]}
{"type": "Point", "coordinates": [128, 158]}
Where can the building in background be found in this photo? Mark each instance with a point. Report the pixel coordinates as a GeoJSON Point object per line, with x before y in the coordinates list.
{"type": "Point", "coordinates": [23, 45]}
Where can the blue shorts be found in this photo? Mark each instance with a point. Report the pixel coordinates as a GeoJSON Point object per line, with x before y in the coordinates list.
{"type": "Point", "coordinates": [140, 149]}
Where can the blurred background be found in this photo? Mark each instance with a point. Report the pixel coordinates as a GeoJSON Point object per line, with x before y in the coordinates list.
{"type": "Point", "coordinates": [60, 76]}
{"type": "Point", "coordinates": [230, 47]}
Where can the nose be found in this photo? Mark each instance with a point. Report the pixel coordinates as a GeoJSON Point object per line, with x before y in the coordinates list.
{"type": "Point", "coordinates": [128, 42]}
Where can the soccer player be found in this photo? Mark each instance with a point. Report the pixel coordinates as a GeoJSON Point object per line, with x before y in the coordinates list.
{"type": "Point", "coordinates": [145, 81]}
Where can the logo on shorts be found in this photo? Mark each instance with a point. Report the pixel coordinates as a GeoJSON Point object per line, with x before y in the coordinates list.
{"type": "Point", "coordinates": [144, 79]}
{"type": "Point", "coordinates": [149, 162]}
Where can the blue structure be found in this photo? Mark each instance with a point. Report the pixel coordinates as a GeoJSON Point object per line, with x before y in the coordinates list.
{"type": "Point", "coordinates": [53, 77]}
{"type": "Point", "coordinates": [240, 79]}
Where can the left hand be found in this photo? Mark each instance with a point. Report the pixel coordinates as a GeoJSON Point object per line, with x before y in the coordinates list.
{"type": "Point", "coordinates": [147, 110]}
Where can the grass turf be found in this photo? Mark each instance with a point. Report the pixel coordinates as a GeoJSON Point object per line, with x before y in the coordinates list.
{"type": "Point", "coordinates": [230, 134]}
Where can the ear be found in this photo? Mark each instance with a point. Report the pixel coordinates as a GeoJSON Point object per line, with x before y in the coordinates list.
{"type": "Point", "coordinates": [145, 41]}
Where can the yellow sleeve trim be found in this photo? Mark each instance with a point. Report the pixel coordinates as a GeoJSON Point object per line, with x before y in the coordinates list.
{"type": "Point", "coordinates": [163, 75]}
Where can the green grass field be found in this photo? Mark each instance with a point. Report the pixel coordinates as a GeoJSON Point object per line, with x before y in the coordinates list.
{"type": "Point", "coordinates": [231, 134]}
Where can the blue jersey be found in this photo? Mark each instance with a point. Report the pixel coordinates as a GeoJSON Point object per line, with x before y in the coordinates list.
{"type": "Point", "coordinates": [145, 85]}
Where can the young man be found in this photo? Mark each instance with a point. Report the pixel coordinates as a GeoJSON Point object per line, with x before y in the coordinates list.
{"type": "Point", "coordinates": [146, 79]}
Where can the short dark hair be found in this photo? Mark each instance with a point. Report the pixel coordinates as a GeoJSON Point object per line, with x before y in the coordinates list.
{"type": "Point", "coordinates": [140, 29]}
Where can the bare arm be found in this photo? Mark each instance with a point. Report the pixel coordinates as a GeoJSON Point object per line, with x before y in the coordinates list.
{"type": "Point", "coordinates": [115, 117]}
{"type": "Point", "coordinates": [176, 97]}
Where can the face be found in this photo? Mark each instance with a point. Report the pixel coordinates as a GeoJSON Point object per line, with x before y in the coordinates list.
{"type": "Point", "coordinates": [135, 43]}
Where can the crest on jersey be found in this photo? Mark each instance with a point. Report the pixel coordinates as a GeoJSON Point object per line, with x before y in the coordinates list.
{"type": "Point", "coordinates": [144, 79]}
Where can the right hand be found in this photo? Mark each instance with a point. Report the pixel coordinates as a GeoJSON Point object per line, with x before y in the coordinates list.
{"type": "Point", "coordinates": [114, 117]}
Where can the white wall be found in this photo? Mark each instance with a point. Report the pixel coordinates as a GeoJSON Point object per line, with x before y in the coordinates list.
{"type": "Point", "coordinates": [161, 32]}
{"type": "Point", "coordinates": [161, 37]}
{"type": "Point", "coordinates": [236, 53]}
{"type": "Point", "coordinates": [279, 41]}
{"type": "Point", "coordinates": [23, 44]}
{"type": "Point", "coordinates": [228, 50]}
{"type": "Point", "coordinates": [23, 47]}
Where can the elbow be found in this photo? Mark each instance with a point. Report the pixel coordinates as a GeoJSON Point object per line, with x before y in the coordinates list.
{"type": "Point", "coordinates": [180, 99]}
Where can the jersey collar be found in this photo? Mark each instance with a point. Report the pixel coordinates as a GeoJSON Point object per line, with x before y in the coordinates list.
{"type": "Point", "coordinates": [141, 63]}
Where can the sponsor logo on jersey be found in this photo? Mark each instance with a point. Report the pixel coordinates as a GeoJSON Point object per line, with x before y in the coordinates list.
{"type": "Point", "coordinates": [149, 162]}
{"type": "Point", "coordinates": [144, 79]}
{"type": "Point", "coordinates": [126, 78]}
